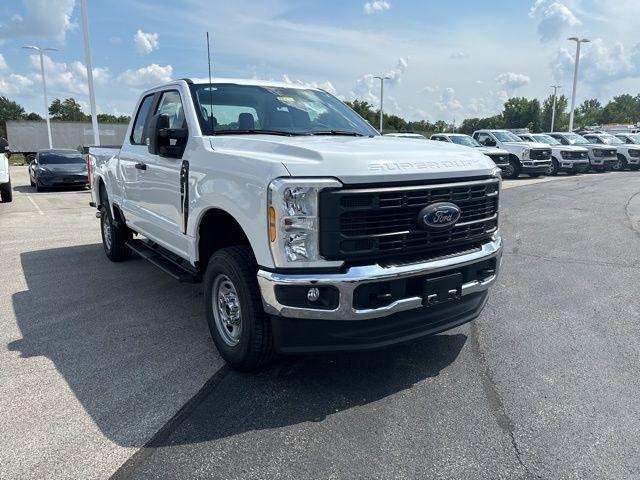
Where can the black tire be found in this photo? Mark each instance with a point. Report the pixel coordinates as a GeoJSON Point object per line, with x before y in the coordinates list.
{"type": "Point", "coordinates": [554, 168]}
{"type": "Point", "coordinates": [114, 236]}
{"type": "Point", "coordinates": [621, 164]}
{"type": "Point", "coordinates": [39, 188]}
{"type": "Point", "coordinates": [6, 193]}
{"type": "Point", "coordinates": [31, 181]}
{"type": "Point", "coordinates": [235, 267]}
{"type": "Point", "coordinates": [513, 170]}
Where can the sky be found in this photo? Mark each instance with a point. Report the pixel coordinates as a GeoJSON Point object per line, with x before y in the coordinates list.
{"type": "Point", "coordinates": [447, 60]}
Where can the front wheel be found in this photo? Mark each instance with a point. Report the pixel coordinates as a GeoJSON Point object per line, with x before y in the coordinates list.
{"type": "Point", "coordinates": [114, 236]}
{"type": "Point", "coordinates": [621, 164]}
{"type": "Point", "coordinates": [513, 169]}
{"type": "Point", "coordinates": [238, 324]}
{"type": "Point", "coordinates": [554, 168]}
{"type": "Point", "coordinates": [6, 193]}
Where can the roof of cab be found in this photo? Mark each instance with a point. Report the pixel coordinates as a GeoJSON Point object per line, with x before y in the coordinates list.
{"type": "Point", "coordinates": [252, 81]}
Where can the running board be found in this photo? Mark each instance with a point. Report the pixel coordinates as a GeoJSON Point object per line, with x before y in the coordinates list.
{"type": "Point", "coordinates": [166, 261]}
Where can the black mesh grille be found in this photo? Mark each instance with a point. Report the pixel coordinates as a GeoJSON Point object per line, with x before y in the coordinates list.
{"type": "Point", "coordinates": [540, 154]}
{"type": "Point", "coordinates": [375, 223]}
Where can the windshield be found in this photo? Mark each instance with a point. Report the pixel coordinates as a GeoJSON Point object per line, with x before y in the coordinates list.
{"type": "Point", "coordinates": [464, 140]}
{"type": "Point", "coordinates": [506, 136]}
{"type": "Point", "coordinates": [230, 108]}
{"type": "Point", "coordinates": [611, 140]}
{"type": "Point", "coordinates": [546, 139]}
{"type": "Point", "coordinates": [575, 139]}
{"type": "Point", "coordinates": [60, 158]}
{"type": "Point", "coordinates": [526, 138]}
{"type": "Point", "coordinates": [635, 138]}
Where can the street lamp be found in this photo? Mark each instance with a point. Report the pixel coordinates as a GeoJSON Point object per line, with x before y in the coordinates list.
{"type": "Point", "coordinates": [44, 85]}
{"type": "Point", "coordinates": [575, 77]}
{"type": "Point", "coordinates": [553, 110]}
{"type": "Point", "coordinates": [87, 60]}
{"type": "Point", "coordinates": [382, 79]}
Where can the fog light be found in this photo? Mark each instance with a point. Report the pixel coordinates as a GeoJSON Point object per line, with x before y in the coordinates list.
{"type": "Point", "coordinates": [313, 294]}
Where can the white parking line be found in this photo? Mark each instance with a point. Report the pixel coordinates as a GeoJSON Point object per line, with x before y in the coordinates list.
{"type": "Point", "coordinates": [35, 204]}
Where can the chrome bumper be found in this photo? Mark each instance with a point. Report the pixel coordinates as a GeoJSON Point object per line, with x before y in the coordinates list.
{"type": "Point", "coordinates": [348, 281]}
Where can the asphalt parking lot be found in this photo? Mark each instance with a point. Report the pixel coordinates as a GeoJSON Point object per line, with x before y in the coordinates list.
{"type": "Point", "coordinates": [108, 369]}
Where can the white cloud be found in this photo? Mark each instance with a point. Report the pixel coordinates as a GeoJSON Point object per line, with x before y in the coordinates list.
{"type": "Point", "coordinates": [3, 63]}
{"type": "Point", "coordinates": [599, 63]}
{"type": "Point", "coordinates": [376, 6]}
{"type": "Point", "coordinates": [61, 78]}
{"type": "Point", "coordinates": [428, 89]}
{"type": "Point", "coordinates": [458, 55]}
{"type": "Point", "coordinates": [148, 76]}
{"type": "Point", "coordinates": [15, 84]}
{"type": "Point", "coordinates": [146, 42]}
{"type": "Point", "coordinates": [448, 101]}
{"type": "Point", "coordinates": [367, 86]}
{"type": "Point", "coordinates": [554, 19]}
{"type": "Point", "coordinates": [101, 75]}
{"type": "Point", "coordinates": [43, 19]}
{"type": "Point", "coordinates": [512, 81]}
{"type": "Point", "coordinates": [326, 85]}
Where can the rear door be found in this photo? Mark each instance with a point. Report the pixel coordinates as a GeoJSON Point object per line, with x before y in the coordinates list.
{"type": "Point", "coordinates": [131, 161]}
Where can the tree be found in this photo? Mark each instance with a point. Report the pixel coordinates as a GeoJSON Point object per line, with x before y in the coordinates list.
{"type": "Point", "coordinates": [10, 110]}
{"type": "Point", "coordinates": [622, 109]}
{"type": "Point", "coordinates": [520, 112]}
{"type": "Point", "coordinates": [33, 117]}
{"type": "Point", "coordinates": [68, 109]}
{"type": "Point", "coordinates": [561, 122]}
{"type": "Point", "coordinates": [108, 118]}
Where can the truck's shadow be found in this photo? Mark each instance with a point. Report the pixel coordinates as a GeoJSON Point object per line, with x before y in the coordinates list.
{"type": "Point", "coordinates": [133, 346]}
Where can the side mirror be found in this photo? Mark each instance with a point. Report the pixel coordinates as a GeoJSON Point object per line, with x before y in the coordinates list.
{"type": "Point", "coordinates": [165, 141]}
{"type": "Point", "coordinates": [489, 142]}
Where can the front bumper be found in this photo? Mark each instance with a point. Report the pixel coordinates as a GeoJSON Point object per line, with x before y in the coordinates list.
{"type": "Point", "coordinates": [603, 162]}
{"type": "Point", "coordinates": [574, 166]}
{"type": "Point", "coordinates": [346, 283]}
{"type": "Point", "coordinates": [535, 166]}
{"type": "Point", "coordinates": [70, 180]}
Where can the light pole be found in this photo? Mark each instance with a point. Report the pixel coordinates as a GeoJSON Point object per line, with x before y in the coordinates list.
{"type": "Point", "coordinates": [553, 110]}
{"type": "Point", "coordinates": [382, 79]}
{"type": "Point", "coordinates": [44, 85]}
{"type": "Point", "coordinates": [575, 77]}
{"type": "Point", "coordinates": [87, 60]}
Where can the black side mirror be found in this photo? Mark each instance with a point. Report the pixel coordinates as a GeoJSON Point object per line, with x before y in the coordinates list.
{"type": "Point", "coordinates": [165, 141]}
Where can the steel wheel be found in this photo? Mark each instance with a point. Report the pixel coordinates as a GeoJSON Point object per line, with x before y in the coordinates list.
{"type": "Point", "coordinates": [509, 170]}
{"type": "Point", "coordinates": [226, 310]}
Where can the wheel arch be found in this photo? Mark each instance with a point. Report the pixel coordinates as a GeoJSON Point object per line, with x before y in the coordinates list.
{"type": "Point", "coordinates": [216, 229]}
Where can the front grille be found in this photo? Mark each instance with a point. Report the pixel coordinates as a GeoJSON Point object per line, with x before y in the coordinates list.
{"type": "Point", "coordinates": [358, 224]}
{"type": "Point", "coordinates": [540, 154]}
{"type": "Point", "coordinates": [609, 153]}
{"type": "Point", "coordinates": [574, 155]}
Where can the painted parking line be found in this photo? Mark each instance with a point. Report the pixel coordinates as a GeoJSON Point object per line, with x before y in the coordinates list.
{"type": "Point", "coordinates": [33, 202]}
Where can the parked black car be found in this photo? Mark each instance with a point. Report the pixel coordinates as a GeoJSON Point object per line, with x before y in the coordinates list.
{"type": "Point", "coordinates": [58, 168]}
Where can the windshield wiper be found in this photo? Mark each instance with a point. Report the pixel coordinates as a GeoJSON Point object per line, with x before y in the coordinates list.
{"type": "Point", "coordinates": [255, 131]}
{"type": "Point", "coordinates": [337, 132]}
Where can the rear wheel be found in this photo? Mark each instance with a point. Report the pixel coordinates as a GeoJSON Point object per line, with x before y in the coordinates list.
{"type": "Point", "coordinates": [513, 169]}
{"type": "Point", "coordinates": [238, 324]}
{"type": "Point", "coordinates": [115, 235]}
{"type": "Point", "coordinates": [6, 193]}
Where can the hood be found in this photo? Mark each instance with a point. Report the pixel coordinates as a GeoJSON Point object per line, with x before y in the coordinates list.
{"type": "Point", "coordinates": [530, 144]}
{"type": "Point", "coordinates": [570, 148]}
{"type": "Point", "coordinates": [360, 159]}
{"type": "Point", "coordinates": [65, 167]}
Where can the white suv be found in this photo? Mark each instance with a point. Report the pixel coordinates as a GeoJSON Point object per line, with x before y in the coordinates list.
{"type": "Point", "coordinates": [533, 159]}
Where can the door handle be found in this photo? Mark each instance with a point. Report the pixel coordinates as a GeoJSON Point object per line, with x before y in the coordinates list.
{"type": "Point", "coordinates": [141, 166]}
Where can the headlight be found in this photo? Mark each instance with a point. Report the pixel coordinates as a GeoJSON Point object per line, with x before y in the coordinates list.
{"type": "Point", "coordinates": [564, 154]}
{"type": "Point", "coordinates": [293, 222]}
{"type": "Point", "coordinates": [525, 153]}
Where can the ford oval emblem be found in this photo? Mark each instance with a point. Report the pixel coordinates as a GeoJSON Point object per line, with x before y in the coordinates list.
{"type": "Point", "coordinates": [439, 215]}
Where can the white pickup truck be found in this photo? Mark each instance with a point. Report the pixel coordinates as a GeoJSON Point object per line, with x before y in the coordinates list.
{"type": "Point", "coordinates": [310, 231]}
{"type": "Point", "coordinates": [532, 158]}
{"type": "Point", "coordinates": [628, 153]}
{"type": "Point", "coordinates": [6, 193]}
{"type": "Point", "coordinates": [564, 158]}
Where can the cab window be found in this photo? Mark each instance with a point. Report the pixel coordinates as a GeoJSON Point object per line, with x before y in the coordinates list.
{"type": "Point", "coordinates": [171, 105]}
{"type": "Point", "coordinates": [141, 119]}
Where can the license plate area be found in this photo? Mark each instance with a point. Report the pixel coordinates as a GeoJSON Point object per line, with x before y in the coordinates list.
{"type": "Point", "coordinates": [444, 289]}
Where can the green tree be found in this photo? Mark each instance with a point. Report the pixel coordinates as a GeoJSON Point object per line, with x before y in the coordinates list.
{"type": "Point", "coordinates": [622, 109]}
{"type": "Point", "coordinates": [561, 122]}
{"type": "Point", "coordinates": [10, 110]}
{"type": "Point", "coordinates": [68, 109]}
{"type": "Point", "coordinates": [520, 112]}
{"type": "Point", "coordinates": [108, 118]}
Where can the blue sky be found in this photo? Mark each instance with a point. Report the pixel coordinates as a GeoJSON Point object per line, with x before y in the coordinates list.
{"type": "Point", "coordinates": [448, 59]}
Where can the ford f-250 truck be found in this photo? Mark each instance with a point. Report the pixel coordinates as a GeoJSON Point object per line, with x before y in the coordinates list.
{"type": "Point", "coordinates": [310, 231]}
{"type": "Point", "coordinates": [531, 158]}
